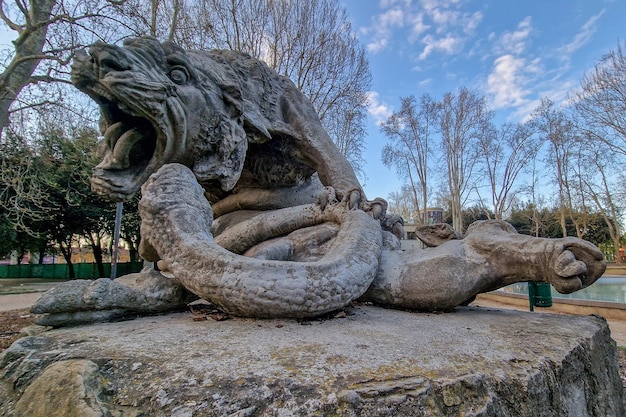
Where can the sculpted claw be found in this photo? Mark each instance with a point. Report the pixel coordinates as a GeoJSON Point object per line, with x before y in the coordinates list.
{"type": "Point", "coordinates": [354, 200]}
{"type": "Point", "coordinates": [578, 265]}
{"type": "Point", "coordinates": [567, 265]}
{"type": "Point", "coordinates": [327, 197]}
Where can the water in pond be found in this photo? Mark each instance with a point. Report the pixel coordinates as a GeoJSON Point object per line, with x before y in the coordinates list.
{"type": "Point", "coordinates": [611, 289]}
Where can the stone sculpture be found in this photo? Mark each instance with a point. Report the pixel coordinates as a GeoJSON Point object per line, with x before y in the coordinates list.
{"type": "Point", "coordinates": [247, 202]}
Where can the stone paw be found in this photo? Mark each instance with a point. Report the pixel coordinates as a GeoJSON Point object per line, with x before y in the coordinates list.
{"type": "Point", "coordinates": [83, 301]}
{"type": "Point", "coordinates": [576, 264]}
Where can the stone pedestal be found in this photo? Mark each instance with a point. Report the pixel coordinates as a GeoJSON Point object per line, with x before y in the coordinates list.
{"type": "Point", "coordinates": [372, 362]}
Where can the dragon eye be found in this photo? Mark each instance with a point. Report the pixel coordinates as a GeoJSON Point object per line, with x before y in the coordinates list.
{"type": "Point", "coordinates": [179, 75]}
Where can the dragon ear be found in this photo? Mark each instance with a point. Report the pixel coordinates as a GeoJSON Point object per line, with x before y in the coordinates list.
{"type": "Point", "coordinates": [252, 116]}
{"type": "Point", "coordinates": [231, 95]}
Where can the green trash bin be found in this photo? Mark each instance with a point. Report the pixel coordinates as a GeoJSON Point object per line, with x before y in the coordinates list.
{"type": "Point", "coordinates": [539, 295]}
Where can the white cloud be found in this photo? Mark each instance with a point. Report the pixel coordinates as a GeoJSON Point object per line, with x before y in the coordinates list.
{"type": "Point", "coordinates": [448, 44]}
{"type": "Point", "coordinates": [444, 19]}
{"type": "Point", "coordinates": [378, 110]}
{"type": "Point", "coordinates": [471, 22]}
{"type": "Point", "coordinates": [391, 18]}
{"type": "Point", "coordinates": [417, 24]}
{"type": "Point", "coordinates": [433, 4]}
{"type": "Point", "coordinates": [582, 37]}
{"type": "Point", "coordinates": [557, 90]}
{"type": "Point", "coordinates": [509, 79]}
{"type": "Point", "coordinates": [377, 45]}
{"type": "Point", "coordinates": [450, 19]}
{"type": "Point", "coordinates": [426, 82]}
{"type": "Point", "coordinates": [383, 4]}
{"type": "Point", "coordinates": [451, 26]}
{"type": "Point", "coordinates": [515, 42]}
{"type": "Point", "coordinates": [506, 82]}
{"type": "Point", "coordinates": [383, 28]}
{"type": "Point", "coordinates": [429, 5]}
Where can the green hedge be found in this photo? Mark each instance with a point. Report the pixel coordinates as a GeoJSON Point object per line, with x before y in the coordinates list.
{"type": "Point", "coordinates": [61, 271]}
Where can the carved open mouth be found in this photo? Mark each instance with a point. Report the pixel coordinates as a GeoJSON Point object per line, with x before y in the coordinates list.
{"type": "Point", "coordinates": [130, 139]}
{"type": "Point", "coordinates": [128, 150]}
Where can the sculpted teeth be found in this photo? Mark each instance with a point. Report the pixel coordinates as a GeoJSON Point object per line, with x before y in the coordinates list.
{"type": "Point", "coordinates": [113, 133]}
{"type": "Point", "coordinates": [121, 152]}
{"type": "Point", "coordinates": [120, 140]}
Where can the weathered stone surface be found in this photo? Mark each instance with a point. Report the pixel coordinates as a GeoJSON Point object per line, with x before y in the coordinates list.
{"type": "Point", "coordinates": [64, 389]}
{"type": "Point", "coordinates": [249, 204]}
{"type": "Point", "coordinates": [491, 255]}
{"type": "Point", "coordinates": [435, 234]}
{"type": "Point", "coordinates": [374, 362]}
{"type": "Point", "coordinates": [172, 200]}
{"type": "Point", "coordinates": [80, 301]}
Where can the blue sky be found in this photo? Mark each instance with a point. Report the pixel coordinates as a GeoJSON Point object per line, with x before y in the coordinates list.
{"type": "Point", "coordinates": [515, 52]}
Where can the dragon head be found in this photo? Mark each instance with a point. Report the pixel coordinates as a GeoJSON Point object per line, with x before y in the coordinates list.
{"type": "Point", "coordinates": [156, 107]}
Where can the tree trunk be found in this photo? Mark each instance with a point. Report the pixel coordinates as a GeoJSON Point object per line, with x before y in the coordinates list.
{"type": "Point", "coordinates": [97, 255]}
{"type": "Point", "coordinates": [67, 255]}
{"type": "Point", "coordinates": [618, 255]}
{"type": "Point", "coordinates": [42, 254]}
{"type": "Point", "coordinates": [28, 50]}
{"type": "Point", "coordinates": [132, 253]}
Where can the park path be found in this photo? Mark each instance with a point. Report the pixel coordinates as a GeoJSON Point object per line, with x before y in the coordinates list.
{"type": "Point", "coordinates": [18, 301]}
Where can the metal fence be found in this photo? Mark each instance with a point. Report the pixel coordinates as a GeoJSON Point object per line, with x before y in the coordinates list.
{"type": "Point", "coordinates": [61, 271]}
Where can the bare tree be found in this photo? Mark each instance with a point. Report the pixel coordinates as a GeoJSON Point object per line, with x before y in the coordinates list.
{"type": "Point", "coordinates": [346, 126]}
{"type": "Point", "coordinates": [239, 25]}
{"type": "Point", "coordinates": [403, 203]}
{"type": "Point", "coordinates": [309, 41]}
{"type": "Point", "coordinates": [463, 119]}
{"type": "Point", "coordinates": [47, 34]}
{"type": "Point", "coordinates": [595, 168]}
{"type": "Point", "coordinates": [505, 153]}
{"type": "Point", "coordinates": [600, 108]}
{"type": "Point", "coordinates": [29, 51]}
{"type": "Point", "coordinates": [35, 91]}
{"type": "Point", "coordinates": [162, 19]}
{"type": "Point", "coordinates": [601, 101]}
{"type": "Point", "coordinates": [557, 131]}
{"type": "Point", "coordinates": [409, 132]}
{"type": "Point", "coordinates": [23, 187]}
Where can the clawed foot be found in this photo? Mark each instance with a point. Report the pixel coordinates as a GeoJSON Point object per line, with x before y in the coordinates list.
{"type": "Point", "coordinates": [352, 200]}
{"type": "Point", "coordinates": [576, 264]}
{"type": "Point", "coordinates": [330, 197]}
{"type": "Point", "coordinates": [569, 264]}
